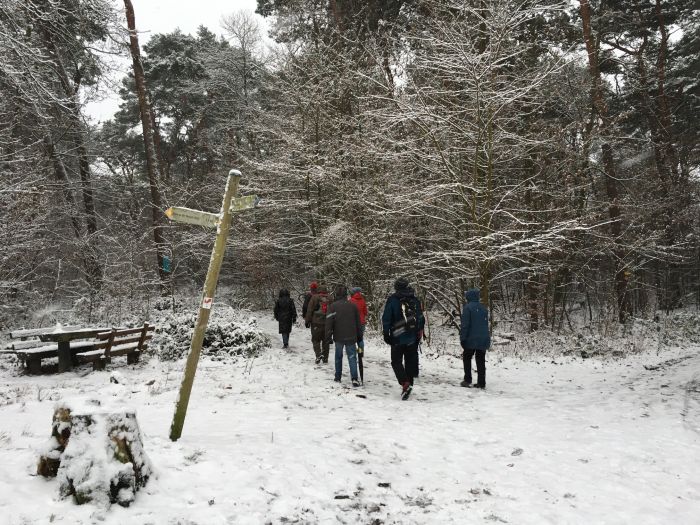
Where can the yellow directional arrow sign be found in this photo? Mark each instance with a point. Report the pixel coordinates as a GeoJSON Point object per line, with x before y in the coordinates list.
{"type": "Point", "coordinates": [190, 216]}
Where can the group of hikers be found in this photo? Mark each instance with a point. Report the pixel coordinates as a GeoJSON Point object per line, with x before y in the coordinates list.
{"type": "Point", "coordinates": [341, 319]}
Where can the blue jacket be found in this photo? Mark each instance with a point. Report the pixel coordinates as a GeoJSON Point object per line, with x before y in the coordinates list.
{"type": "Point", "coordinates": [474, 334]}
{"type": "Point", "coordinates": [392, 314]}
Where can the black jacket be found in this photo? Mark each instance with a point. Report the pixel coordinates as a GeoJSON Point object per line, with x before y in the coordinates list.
{"type": "Point", "coordinates": [343, 322]}
{"type": "Point", "coordinates": [285, 312]}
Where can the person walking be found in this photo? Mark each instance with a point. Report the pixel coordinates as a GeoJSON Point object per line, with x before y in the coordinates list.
{"type": "Point", "coordinates": [285, 314]}
{"type": "Point", "coordinates": [358, 300]}
{"type": "Point", "coordinates": [316, 318]}
{"type": "Point", "coordinates": [402, 324]}
{"type": "Point", "coordinates": [313, 290]}
{"type": "Point", "coordinates": [475, 338]}
{"type": "Point", "coordinates": [343, 326]}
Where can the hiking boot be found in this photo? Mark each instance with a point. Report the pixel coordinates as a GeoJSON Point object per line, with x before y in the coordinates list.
{"type": "Point", "coordinates": [405, 386]}
{"type": "Point", "coordinates": [336, 379]}
{"type": "Point", "coordinates": [355, 382]}
{"type": "Point", "coordinates": [325, 359]}
{"type": "Point", "coordinates": [480, 386]}
{"type": "Point", "coordinates": [466, 384]}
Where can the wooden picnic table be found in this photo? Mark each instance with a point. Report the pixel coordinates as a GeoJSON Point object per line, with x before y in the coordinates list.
{"type": "Point", "coordinates": [64, 337]}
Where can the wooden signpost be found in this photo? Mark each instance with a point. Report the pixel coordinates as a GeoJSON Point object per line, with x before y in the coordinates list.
{"type": "Point", "coordinates": [222, 221]}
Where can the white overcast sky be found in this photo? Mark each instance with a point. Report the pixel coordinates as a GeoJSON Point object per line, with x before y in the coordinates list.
{"type": "Point", "coordinates": [163, 16]}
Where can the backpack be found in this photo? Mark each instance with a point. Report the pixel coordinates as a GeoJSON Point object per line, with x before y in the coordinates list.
{"type": "Point", "coordinates": [407, 321]}
{"type": "Point", "coordinates": [319, 315]}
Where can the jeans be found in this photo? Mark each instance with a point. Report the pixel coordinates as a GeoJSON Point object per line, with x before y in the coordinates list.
{"type": "Point", "coordinates": [285, 338]}
{"type": "Point", "coordinates": [352, 359]}
{"type": "Point", "coordinates": [480, 357]}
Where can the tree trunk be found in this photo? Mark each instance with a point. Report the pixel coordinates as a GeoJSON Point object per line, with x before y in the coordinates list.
{"type": "Point", "coordinates": [611, 185]}
{"type": "Point", "coordinates": [151, 157]}
{"type": "Point", "coordinates": [70, 88]}
{"type": "Point", "coordinates": [96, 454]}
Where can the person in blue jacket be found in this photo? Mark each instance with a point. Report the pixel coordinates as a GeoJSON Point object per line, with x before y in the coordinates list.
{"type": "Point", "coordinates": [402, 323]}
{"type": "Point", "coordinates": [475, 338]}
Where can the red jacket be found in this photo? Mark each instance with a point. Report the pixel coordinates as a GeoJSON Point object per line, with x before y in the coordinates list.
{"type": "Point", "coordinates": [358, 300]}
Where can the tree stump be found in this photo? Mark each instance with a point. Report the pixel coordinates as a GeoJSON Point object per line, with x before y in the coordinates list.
{"type": "Point", "coordinates": [96, 454]}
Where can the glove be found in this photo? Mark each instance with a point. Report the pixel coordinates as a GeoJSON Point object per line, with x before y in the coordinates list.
{"type": "Point", "coordinates": [387, 338]}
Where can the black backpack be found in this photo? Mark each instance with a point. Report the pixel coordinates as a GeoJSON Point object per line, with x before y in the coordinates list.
{"type": "Point", "coordinates": [407, 320]}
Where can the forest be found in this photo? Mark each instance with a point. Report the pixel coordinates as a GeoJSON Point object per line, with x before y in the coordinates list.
{"type": "Point", "coordinates": [546, 152]}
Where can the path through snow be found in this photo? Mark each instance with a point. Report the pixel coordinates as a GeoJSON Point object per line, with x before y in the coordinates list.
{"type": "Point", "coordinates": [276, 440]}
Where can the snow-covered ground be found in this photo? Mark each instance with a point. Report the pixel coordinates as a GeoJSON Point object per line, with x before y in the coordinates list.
{"type": "Point", "coordinates": [275, 440]}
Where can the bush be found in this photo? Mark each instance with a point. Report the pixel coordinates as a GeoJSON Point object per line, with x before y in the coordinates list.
{"type": "Point", "coordinates": [229, 333]}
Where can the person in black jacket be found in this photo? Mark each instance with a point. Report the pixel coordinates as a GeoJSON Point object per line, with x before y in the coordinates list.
{"type": "Point", "coordinates": [313, 290]}
{"type": "Point", "coordinates": [343, 326]}
{"type": "Point", "coordinates": [286, 315]}
{"type": "Point", "coordinates": [402, 323]}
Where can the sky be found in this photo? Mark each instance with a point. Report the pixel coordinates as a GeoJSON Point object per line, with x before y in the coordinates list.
{"type": "Point", "coordinates": [163, 16]}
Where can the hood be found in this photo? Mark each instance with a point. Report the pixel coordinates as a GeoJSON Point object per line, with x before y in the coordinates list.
{"type": "Point", "coordinates": [472, 296]}
{"type": "Point", "coordinates": [357, 295]}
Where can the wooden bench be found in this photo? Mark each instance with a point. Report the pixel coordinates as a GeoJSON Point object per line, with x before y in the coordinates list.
{"type": "Point", "coordinates": [117, 342]}
{"type": "Point", "coordinates": [32, 352]}
{"type": "Point", "coordinates": [29, 349]}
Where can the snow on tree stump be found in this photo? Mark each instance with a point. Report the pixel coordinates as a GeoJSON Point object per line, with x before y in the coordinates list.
{"type": "Point", "coordinates": [96, 453]}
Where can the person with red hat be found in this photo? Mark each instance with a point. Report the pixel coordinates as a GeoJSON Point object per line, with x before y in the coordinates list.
{"type": "Point", "coordinates": [316, 319]}
{"type": "Point", "coordinates": [358, 300]}
{"type": "Point", "coordinates": [313, 290]}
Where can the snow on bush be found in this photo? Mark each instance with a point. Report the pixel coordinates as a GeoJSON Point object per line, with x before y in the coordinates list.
{"type": "Point", "coordinates": [229, 333]}
{"type": "Point", "coordinates": [677, 329]}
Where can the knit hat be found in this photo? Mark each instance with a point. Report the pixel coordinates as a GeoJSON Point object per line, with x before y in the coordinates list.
{"type": "Point", "coordinates": [355, 289]}
{"type": "Point", "coordinates": [400, 284]}
{"type": "Point", "coordinates": [313, 285]}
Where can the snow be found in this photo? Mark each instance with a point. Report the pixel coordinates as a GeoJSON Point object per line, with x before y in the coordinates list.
{"type": "Point", "coordinates": [553, 439]}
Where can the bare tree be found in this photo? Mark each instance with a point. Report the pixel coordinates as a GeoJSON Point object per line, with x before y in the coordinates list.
{"type": "Point", "coordinates": [152, 165]}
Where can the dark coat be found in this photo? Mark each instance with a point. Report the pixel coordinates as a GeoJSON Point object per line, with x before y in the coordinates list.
{"type": "Point", "coordinates": [474, 333]}
{"type": "Point", "coordinates": [285, 312]}
{"type": "Point", "coordinates": [316, 314]}
{"type": "Point", "coordinates": [343, 322]}
{"type": "Point", "coordinates": [307, 300]}
{"type": "Point", "coordinates": [393, 314]}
